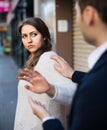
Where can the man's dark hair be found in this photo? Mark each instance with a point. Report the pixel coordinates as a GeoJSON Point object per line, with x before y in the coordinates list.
{"type": "Point", "coordinates": [99, 5]}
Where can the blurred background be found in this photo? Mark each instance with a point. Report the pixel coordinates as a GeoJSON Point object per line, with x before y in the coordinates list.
{"type": "Point", "coordinates": [12, 13]}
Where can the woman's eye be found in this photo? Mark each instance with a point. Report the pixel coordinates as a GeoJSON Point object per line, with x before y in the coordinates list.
{"type": "Point", "coordinates": [34, 34]}
{"type": "Point", "coordinates": [23, 36]}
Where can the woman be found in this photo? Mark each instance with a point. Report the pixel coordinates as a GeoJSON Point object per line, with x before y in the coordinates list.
{"type": "Point", "coordinates": [36, 39]}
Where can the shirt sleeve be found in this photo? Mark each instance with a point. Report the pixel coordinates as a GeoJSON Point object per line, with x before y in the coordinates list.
{"type": "Point", "coordinates": [65, 94]}
{"type": "Point", "coordinates": [47, 118]}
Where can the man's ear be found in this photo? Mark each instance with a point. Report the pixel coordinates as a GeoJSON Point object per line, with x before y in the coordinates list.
{"type": "Point", "coordinates": [89, 15]}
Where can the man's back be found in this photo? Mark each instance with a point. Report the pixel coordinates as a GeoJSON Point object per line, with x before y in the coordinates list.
{"type": "Point", "coordinates": [89, 110]}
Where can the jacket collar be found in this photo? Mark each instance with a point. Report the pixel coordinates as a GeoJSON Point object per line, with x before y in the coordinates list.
{"type": "Point", "coordinates": [101, 62]}
{"type": "Point", "coordinates": [96, 54]}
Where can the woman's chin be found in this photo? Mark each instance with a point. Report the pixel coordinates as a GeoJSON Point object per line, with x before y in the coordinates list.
{"type": "Point", "coordinates": [31, 51]}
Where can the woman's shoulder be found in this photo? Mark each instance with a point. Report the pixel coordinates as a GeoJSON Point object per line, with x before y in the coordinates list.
{"type": "Point", "coordinates": [45, 60]}
{"type": "Point", "coordinates": [48, 53]}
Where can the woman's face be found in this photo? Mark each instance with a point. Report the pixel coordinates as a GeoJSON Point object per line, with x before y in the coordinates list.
{"type": "Point", "coordinates": [31, 38]}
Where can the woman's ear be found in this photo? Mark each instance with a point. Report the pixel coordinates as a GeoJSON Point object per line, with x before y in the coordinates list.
{"type": "Point", "coordinates": [44, 38]}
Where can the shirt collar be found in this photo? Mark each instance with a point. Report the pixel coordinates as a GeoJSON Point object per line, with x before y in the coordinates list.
{"type": "Point", "coordinates": [96, 54]}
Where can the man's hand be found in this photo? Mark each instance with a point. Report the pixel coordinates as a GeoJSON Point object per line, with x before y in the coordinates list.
{"type": "Point", "coordinates": [38, 82]}
{"type": "Point", "coordinates": [62, 66]}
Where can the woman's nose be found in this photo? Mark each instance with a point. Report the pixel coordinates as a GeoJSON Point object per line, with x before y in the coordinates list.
{"type": "Point", "coordinates": [29, 39]}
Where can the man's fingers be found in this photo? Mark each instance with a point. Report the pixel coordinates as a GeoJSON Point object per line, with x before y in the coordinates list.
{"type": "Point", "coordinates": [56, 58]}
{"type": "Point", "coordinates": [59, 60]}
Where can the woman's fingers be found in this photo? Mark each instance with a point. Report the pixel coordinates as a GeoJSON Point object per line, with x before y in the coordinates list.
{"type": "Point", "coordinates": [26, 74]}
{"type": "Point", "coordinates": [38, 108]}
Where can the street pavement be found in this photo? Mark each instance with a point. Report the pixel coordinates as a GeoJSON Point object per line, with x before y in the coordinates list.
{"type": "Point", "coordinates": [8, 91]}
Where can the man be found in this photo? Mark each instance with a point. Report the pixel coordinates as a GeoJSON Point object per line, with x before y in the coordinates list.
{"type": "Point", "coordinates": [89, 106]}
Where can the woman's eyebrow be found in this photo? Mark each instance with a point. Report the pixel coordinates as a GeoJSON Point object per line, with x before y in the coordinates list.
{"type": "Point", "coordinates": [29, 33]}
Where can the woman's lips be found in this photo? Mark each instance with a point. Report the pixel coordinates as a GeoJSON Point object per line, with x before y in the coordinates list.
{"type": "Point", "coordinates": [31, 46]}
